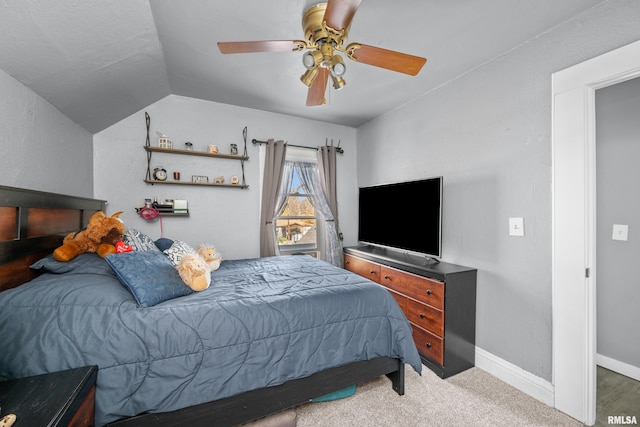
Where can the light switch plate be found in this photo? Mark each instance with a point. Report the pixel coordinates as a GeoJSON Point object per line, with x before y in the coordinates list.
{"type": "Point", "coordinates": [516, 227]}
{"type": "Point", "coordinates": [620, 232]}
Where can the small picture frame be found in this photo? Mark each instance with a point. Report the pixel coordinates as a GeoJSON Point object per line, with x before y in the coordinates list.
{"type": "Point", "coordinates": [200, 179]}
{"type": "Point", "coordinates": [234, 180]}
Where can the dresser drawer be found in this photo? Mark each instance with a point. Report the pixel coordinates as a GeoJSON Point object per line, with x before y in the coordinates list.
{"type": "Point", "coordinates": [364, 268]}
{"type": "Point", "coordinates": [421, 288]}
{"type": "Point", "coordinates": [400, 299]}
{"type": "Point", "coordinates": [428, 344]}
{"type": "Point", "coordinates": [425, 316]}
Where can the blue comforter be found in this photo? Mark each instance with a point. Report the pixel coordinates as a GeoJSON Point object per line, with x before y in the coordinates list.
{"type": "Point", "coordinates": [261, 323]}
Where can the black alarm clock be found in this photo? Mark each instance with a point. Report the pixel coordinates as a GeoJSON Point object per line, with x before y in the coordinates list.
{"type": "Point", "coordinates": [160, 174]}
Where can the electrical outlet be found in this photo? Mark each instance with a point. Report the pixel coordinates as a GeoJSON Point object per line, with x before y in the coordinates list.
{"type": "Point", "coordinates": [516, 227]}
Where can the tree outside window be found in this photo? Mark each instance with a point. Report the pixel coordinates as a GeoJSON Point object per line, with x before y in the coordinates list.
{"type": "Point", "coordinates": [297, 222]}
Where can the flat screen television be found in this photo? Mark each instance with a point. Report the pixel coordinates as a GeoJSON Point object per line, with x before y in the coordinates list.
{"type": "Point", "coordinates": [403, 215]}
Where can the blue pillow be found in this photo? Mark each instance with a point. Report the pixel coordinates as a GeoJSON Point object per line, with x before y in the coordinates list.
{"type": "Point", "coordinates": [149, 276]}
{"type": "Point", "coordinates": [163, 243]}
{"type": "Point", "coordinates": [86, 263]}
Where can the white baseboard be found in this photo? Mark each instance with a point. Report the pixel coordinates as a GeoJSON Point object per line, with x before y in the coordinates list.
{"type": "Point", "coordinates": [619, 367]}
{"type": "Point", "coordinates": [526, 382]}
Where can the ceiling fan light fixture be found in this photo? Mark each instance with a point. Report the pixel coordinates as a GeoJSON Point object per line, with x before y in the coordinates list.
{"type": "Point", "coordinates": [338, 82]}
{"type": "Point", "coordinates": [311, 59]}
{"type": "Point", "coordinates": [326, 26]}
{"type": "Point", "coordinates": [338, 67]}
{"type": "Point", "coordinates": [309, 76]}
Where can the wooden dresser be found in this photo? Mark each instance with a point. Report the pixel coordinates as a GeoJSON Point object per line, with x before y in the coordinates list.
{"type": "Point", "coordinates": [438, 299]}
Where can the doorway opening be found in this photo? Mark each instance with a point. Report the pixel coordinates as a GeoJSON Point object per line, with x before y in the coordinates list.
{"type": "Point", "coordinates": [574, 225]}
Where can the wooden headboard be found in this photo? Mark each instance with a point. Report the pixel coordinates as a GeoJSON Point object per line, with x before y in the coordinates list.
{"type": "Point", "coordinates": [33, 224]}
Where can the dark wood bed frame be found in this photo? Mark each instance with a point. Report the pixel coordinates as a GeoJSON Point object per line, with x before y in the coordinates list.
{"type": "Point", "coordinates": [33, 223]}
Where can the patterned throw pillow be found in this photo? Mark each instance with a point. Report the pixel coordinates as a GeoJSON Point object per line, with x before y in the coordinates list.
{"type": "Point", "coordinates": [177, 250]}
{"type": "Point", "coordinates": [139, 241]}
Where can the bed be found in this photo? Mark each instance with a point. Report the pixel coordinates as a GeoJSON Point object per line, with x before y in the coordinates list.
{"type": "Point", "coordinates": [269, 334]}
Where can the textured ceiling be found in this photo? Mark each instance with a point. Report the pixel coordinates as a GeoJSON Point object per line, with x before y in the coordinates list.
{"type": "Point", "coordinates": [101, 61]}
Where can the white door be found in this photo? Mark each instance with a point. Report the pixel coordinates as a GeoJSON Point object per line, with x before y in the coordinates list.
{"type": "Point", "coordinates": [574, 208]}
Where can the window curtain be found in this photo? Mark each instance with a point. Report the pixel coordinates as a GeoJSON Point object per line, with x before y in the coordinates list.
{"type": "Point", "coordinates": [327, 172]}
{"type": "Point", "coordinates": [272, 199]}
{"type": "Point", "coordinates": [310, 175]}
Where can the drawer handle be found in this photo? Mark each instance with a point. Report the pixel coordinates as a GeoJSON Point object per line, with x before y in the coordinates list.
{"type": "Point", "coordinates": [386, 276]}
{"type": "Point", "coordinates": [372, 272]}
{"type": "Point", "coordinates": [422, 316]}
{"type": "Point", "coordinates": [347, 263]}
{"type": "Point", "coordinates": [429, 292]}
{"type": "Point", "coordinates": [428, 345]}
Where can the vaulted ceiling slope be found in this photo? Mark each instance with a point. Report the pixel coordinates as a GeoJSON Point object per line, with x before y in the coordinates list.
{"type": "Point", "coordinates": [101, 61]}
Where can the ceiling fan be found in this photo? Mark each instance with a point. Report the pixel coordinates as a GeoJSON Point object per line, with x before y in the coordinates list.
{"type": "Point", "coordinates": [326, 26]}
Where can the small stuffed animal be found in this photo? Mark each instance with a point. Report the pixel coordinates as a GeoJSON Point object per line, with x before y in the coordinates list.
{"type": "Point", "coordinates": [195, 268]}
{"type": "Point", "coordinates": [100, 236]}
{"type": "Point", "coordinates": [211, 257]}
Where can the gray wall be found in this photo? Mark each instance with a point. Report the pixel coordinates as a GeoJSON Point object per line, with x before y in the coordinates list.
{"type": "Point", "coordinates": [487, 132]}
{"type": "Point", "coordinates": [225, 217]}
{"type": "Point", "coordinates": [618, 202]}
{"type": "Point", "coordinates": [41, 148]}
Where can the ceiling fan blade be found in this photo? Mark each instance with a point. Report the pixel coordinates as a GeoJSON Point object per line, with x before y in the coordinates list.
{"type": "Point", "coordinates": [315, 96]}
{"type": "Point", "coordinates": [389, 59]}
{"type": "Point", "coordinates": [260, 46]}
{"type": "Point", "coordinates": [339, 13]}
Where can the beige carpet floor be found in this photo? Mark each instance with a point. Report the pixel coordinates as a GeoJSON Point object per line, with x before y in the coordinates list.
{"type": "Point", "coordinates": [471, 398]}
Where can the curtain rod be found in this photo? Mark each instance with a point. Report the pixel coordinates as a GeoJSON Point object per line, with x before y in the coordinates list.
{"type": "Point", "coordinates": [338, 149]}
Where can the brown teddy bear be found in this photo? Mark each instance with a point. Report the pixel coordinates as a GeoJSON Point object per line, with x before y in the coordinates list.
{"type": "Point", "coordinates": [100, 236]}
{"type": "Point", "coordinates": [195, 268]}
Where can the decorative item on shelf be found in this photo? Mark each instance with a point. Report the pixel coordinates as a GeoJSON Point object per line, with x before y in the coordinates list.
{"type": "Point", "coordinates": [164, 141]}
{"type": "Point", "coordinates": [233, 149]}
{"type": "Point", "coordinates": [148, 213]}
{"type": "Point", "coordinates": [213, 149]}
{"type": "Point", "coordinates": [188, 146]}
{"type": "Point", "coordinates": [234, 180]}
{"type": "Point", "coordinates": [199, 179]}
{"type": "Point", "coordinates": [160, 174]}
{"type": "Point", "coordinates": [164, 207]}
{"type": "Point", "coordinates": [180, 206]}
{"type": "Point", "coordinates": [176, 176]}
{"type": "Point", "coordinates": [218, 180]}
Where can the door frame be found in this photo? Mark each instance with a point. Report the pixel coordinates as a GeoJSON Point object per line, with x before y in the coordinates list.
{"type": "Point", "coordinates": [573, 149]}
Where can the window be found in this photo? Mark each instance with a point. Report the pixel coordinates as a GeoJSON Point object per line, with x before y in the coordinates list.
{"type": "Point", "coordinates": [298, 222]}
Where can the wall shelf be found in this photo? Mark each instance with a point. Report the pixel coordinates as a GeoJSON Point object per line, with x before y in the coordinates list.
{"type": "Point", "coordinates": [201, 184]}
{"type": "Point", "coordinates": [165, 213]}
{"type": "Point", "coordinates": [238, 157]}
{"type": "Point", "coordinates": [195, 153]}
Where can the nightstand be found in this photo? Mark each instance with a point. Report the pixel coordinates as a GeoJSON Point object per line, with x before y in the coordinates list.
{"type": "Point", "coordinates": [64, 398]}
